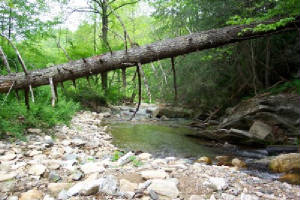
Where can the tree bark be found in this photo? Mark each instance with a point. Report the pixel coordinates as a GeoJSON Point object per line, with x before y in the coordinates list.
{"type": "Point", "coordinates": [124, 78]}
{"type": "Point", "coordinates": [145, 54]}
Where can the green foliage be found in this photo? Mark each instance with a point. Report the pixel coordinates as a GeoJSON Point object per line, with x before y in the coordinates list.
{"type": "Point", "coordinates": [15, 118]}
{"type": "Point", "coordinates": [135, 161]}
{"type": "Point", "coordinates": [116, 156]}
{"type": "Point", "coordinates": [290, 86]}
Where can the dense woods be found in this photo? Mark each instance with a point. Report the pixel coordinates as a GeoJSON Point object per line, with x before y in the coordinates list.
{"type": "Point", "coordinates": [206, 81]}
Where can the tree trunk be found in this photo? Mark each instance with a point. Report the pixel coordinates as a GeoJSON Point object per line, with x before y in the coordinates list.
{"type": "Point", "coordinates": [124, 78]}
{"type": "Point", "coordinates": [145, 54]}
{"type": "Point", "coordinates": [105, 43]}
{"type": "Point", "coordinates": [142, 74]}
{"type": "Point", "coordinates": [267, 67]}
{"type": "Point", "coordinates": [174, 79]}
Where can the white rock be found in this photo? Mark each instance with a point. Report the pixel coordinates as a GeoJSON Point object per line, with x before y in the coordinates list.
{"type": "Point", "coordinates": [260, 130]}
{"type": "Point", "coordinates": [226, 196]}
{"type": "Point", "coordinates": [92, 167]}
{"type": "Point", "coordinates": [37, 170]}
{"type": "Point", "coordinates": [8, 156]}
{"type": "Point", "coordinates": [34, 153]}
{"type": "Point", "coordinates": [144, 156]}
{"type": "Point", "coordinates": [164, 187]}
{"type": "Point", "coordinates": [154, 174]}
{"type": "Point", "coordinates": [196, 197]}
{"type": "Point", "coordinates": [48, 197]}
{"type": "Point", "coordinates": [245, 196]}
{"type": "Point", "coordinates": [4, 176]}
{"type": "Point", "coordinates": [13, 198]}
{"type": "Point", "coordinates": [216, 183]}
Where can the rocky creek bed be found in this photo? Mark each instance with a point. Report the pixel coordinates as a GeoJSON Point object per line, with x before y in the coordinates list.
{"type": "Point", "coordinates": [80, 163]}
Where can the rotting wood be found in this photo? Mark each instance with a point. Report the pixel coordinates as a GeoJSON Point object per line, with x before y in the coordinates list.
{"type": "Point", "coordinates": [53, 100]}
{"type": "Point", "coordinates": [145, 54]}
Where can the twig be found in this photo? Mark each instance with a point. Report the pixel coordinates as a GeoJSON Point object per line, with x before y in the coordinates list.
{"type": "Point", "coordinates": [3, 56]}
{"type": "Point", "coordinates": [52, 91]}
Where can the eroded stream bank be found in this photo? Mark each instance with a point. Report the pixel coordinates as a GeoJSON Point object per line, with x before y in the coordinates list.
{"type": "Point", "coordinates": [78, 164]}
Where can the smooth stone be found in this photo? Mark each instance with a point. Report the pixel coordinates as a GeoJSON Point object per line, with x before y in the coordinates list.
{"type": "Point", "coordinates": [56, 188]}
{"type": "Point", "coordinates": [85, 188]}
{"type": "Point", "coordinates": [238, 163]}
{"type": "Point", "coordinates": [127, 186]}
{"type": "Point", "coordinates": [292, 178]}
{"type": "Point", "coordinates": [32, 195]}
{"type": "Point", "coordinates": [154, 174]}
{"type": "Point", "coordinates": [205, 160]}
{"type": "Point", "coordinates": [34, 153]}
{"type": "Point", "coordinates": [224, 160]}
{"type": "Point", "coordinates": [92, 167]}
{"type": "Point", "coordinates": [70, 157]}
{"type": "Point", "coordinates": [226, 196]}
{"type": "Point", "coordinates": [37, 170]}
{"type": "Point", "coordinates": [78, 142]}
{"type": "Point", "coordinates": [260, 130]}
{"type": "Point", "coordinates": [164, 187]}
{"type": "Point", "coordinates": [4, 176]}
{"type": "Point", "coordinates": [49, 140]}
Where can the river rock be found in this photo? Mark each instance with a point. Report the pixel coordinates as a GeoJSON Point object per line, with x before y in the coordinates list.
{"type": "Point", "coordinates": [205, 160]}
{"type": "Point", "coordinates": [144, 156]}
{"type": "Point", "coordinates": [78, 142]}
{"type": "Point", "coordinates": [4, 176]}
{"type": "Point", "coordinates": [245, 196]}
{"type": "Point", "coordinates": [127, 186]}
{"type": "Point", "coordinates": [84, 188]}
{"type": "Point", "coordinates": [109, 185]}
{"type": "Point", "coordinates": [32, 195]}
{"type": "Point", "coordinates": [154, 174]}
{"type": "Point", "coordinates": [8, 156]}
{"type": "Point", "coordinates": [260, 130]}
{"type": "Point", "coordinates": [292, 178]}
{"type": "Point", "coordinates": [224, 160]}
{"type": "Point", "coordinates": [55, 188]}
{"type": "Point", "coordinates": [7, 186]}
{"type": "Point", "coordinates": [125, 159]}
{"type": "Point", "coordinates": [153, 195]}
{"type": "Point", "coordinates": [172, 112]}
{"type": "Point", "coordinates": [196, 197]}
{"type": "Point", "coordinates": [92, 167]}
{"type": "Point", "coordinates": [37, 170]}
{"type": "Point", "coordinates": [285, 162]}
{"type": "Point", "coordinates": [34, 131]}
{"type": "Point", "coordinates": [14, 198]}
{"type": "Point", "coordinates": [77, 175]}
{"type": "Point", "coordinates": [54, 177]}
{"type": "Point", "coordinates": [167, 188]}
{"type": "Point", "coordinates": [216, 183]}
{"type": "Point", "coordinates": [238, 163]}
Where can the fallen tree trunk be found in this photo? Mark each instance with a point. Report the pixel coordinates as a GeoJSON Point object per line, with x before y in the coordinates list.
{"type": "Point", "coordinates": [145, 54]}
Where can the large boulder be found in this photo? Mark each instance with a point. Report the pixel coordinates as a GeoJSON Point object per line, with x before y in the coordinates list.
{"type": "Point", "coordinates": [285, 162]}
{"type": "Point", "coordinates": [172, 112]}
